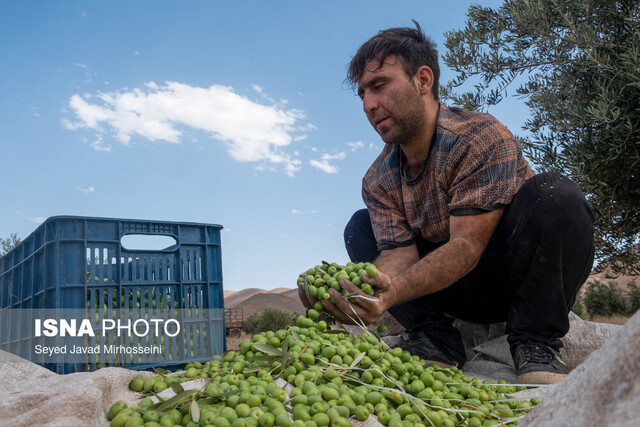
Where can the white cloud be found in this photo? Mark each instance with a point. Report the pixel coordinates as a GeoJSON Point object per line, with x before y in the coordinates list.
{"type": "Point", "coordinates": [324, 165]}
{"type": "Point", "coordinates": [338, 156]}
{"type": "Point", "coordinates": [355, 146]}
{"type": "Point", "coordinates": [78, 64]}
{"type": "Point", "coordinates": [86, 190]}
{"type": "Point", "coordinates": [267, 168]}
{"type": "Point", "coordinates": [97, 143]}
{"type": "Point", "coordinates": [297, 212]}
{"type": "Point", "coordinates": [253, 132]}
{"type": "Point", "coordinates": [35, 219]}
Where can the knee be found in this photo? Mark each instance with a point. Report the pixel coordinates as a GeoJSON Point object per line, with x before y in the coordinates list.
{"type": "Point", "coordinates": [359, 221]}
{"type": "Point", "coordinates": [559, 200]}
{"type": "Point", "coordinates": [359, 239]}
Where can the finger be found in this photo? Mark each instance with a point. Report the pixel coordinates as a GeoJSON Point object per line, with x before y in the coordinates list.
{"type": "Point", "coordinates": [379, 281]}
{"type": "Point", "coordinates": [348, 285]}
{"type": "Point", "coordinates": [361, 298]}
{"type": "Point", "coordinates": [352, 311]}
{"type": "Point", "coordinates": [304, 297]}
{"type": "Point", "coordinates": [335, 313]}
{"type": "Point", "coordinates": [330, 308]}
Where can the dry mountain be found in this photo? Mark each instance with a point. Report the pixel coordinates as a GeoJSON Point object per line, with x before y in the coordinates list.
{"type": "Point", "coordinates": [253, 300]}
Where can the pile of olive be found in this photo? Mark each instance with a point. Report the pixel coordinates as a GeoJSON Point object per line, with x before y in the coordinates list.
{"type": "Point", "coordinates": [334, 378]}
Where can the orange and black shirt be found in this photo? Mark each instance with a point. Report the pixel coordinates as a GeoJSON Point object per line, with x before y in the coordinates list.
{"type": "Point", "coordinates": [474, 165]}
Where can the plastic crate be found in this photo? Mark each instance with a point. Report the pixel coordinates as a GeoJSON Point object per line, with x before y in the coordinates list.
{"type": "Point", "coordinates": [79, 262]}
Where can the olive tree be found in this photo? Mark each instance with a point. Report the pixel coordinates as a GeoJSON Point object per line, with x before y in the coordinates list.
{"type": "Point", "coordinates": [576, 65]}
{"type": "Point", "coordinates": [271, 319]}
{"type": "Point", "coordinates": [9, 243]}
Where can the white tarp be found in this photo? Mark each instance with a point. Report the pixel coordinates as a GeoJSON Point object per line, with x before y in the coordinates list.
{"type": "Point", "coordinates": [605, 388]}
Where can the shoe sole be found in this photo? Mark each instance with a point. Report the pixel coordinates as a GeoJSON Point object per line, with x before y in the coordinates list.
{"type": "Point", "coordinates": [540, 378]}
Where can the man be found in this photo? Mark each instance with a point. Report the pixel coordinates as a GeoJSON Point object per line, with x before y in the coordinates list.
{"type": "Point", "coordinates": [456, 221]}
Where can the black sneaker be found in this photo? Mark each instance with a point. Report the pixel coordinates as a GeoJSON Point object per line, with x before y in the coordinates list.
{"type": "Point", "coordinates": [432, 351]}
{"type": "Point", "coordinates": [537, 363]}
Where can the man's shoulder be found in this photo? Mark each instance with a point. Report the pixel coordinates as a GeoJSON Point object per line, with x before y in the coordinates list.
{"type": "Point", "coordinates": [458, 121]}
{"type": "Point", "coordinates": [472, 128]}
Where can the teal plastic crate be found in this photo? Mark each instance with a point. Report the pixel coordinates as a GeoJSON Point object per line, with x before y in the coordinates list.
{"type": "Point", "coordinates": [79, 262]}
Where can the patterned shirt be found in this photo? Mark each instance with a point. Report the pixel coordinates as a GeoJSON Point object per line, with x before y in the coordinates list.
{"type": "Point", "coordinates": [474, 165]}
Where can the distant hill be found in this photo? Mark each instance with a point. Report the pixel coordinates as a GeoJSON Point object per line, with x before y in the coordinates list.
{"type": "Point", "coordinates": [233, 299]}
{"type": "Point", "coordinates": [605, 273]}
{"type": "Point", "coordinates": [253, 300]}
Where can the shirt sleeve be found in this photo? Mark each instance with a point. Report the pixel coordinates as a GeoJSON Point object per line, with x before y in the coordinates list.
{"type": "Point", "coordinates": [484, 171]}
{"type": "Point", "coordinates": [390, 226]}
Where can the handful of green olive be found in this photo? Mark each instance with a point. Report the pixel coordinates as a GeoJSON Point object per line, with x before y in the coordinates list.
{"type": "Point", "coordinates": [319, 279]}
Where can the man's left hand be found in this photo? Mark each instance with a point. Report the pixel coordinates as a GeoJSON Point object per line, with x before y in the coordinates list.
{"type": "Point", "coordinates": [366, 308]}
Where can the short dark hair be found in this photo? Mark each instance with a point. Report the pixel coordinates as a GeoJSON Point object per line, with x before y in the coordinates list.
{"type": "Point", "coordinates": [410, 45]}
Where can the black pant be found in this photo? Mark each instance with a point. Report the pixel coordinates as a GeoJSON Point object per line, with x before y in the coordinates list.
{"type": "Point", "coordinates": [529, 275]}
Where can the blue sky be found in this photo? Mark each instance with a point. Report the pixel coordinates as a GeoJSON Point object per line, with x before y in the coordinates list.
{"type": "Point", "coordinates": [232, 113]}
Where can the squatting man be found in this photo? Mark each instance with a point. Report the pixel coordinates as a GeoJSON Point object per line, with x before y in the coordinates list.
{"type": "Point", "coordinates": [457, 222]}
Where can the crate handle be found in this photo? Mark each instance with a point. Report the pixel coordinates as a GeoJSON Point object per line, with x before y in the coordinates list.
{"type": "Point", "coordinates": [149, 242]}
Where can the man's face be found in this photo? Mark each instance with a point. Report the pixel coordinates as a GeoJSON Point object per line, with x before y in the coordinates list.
{"type": "Point", "coordinates": [391, 101]}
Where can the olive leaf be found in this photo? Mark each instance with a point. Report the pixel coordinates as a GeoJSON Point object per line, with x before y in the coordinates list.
{"type": "Point", "coordinates": [161, 372]}
{"type": "Point", "coordinates": [295, 335]}
{"type": "Point", "coordinates": [194, 410]}
{"type": "Point", "coordinates": [305, 286]}
{"type": "Point", "coordinates": [336, 331]}
{"type": "Point", "coordinates": [285, 354]}
{"type": "Point", "coordinates": [218, 396]}
{"type": "Point", "coordinates": [265, 359]}
{"type": "Point", "coordinates": [177, 388]}
{"type": "Point", "coordinates": [209, 400]}
{"type": "Point", "coordinates": [174, 401]}
{"type": "Point", "coordinates": [268, 349]}
{"type": "Point", "coordinates": [358, 359]}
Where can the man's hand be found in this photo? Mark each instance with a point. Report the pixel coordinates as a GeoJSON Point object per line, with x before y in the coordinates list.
{"type": "Point", "coordinates": [362, 307]}
{"type": "Point", "coordinates": [307, 300]}
{"type": "Point", "coordinates": [368, 308]}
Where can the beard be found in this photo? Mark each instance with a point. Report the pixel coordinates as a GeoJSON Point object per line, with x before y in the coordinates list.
{"type": "Point", "coordinates": [408, 116]}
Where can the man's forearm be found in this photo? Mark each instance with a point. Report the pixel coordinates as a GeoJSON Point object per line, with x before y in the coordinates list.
{"type": "Point", "coordinates": [436, 271]}
{"type": "Point", "coordinates": [395, 261]}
